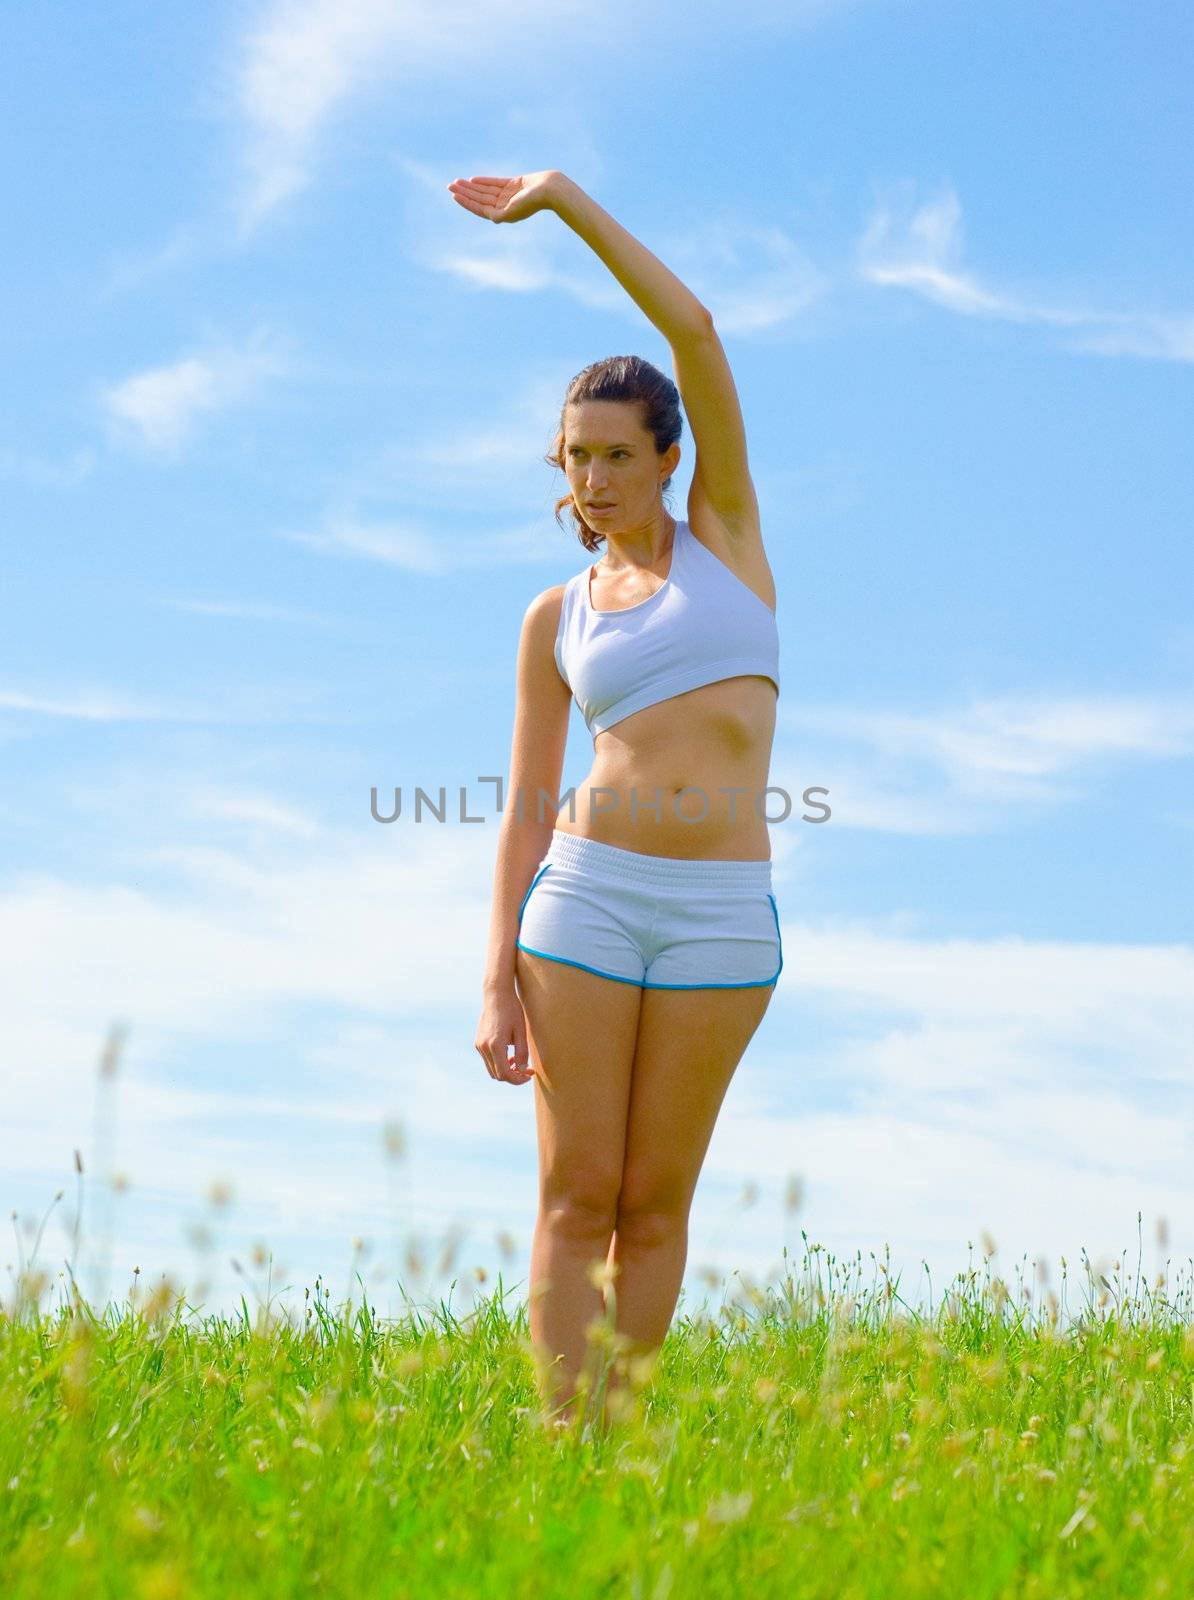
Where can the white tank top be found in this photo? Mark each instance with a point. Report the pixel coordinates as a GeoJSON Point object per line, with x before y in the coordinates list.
{"type": "Point", "coordinates": [703, 624]}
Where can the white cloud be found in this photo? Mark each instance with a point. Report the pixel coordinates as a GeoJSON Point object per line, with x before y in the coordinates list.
{"type": "Point", "coordinates": [161, 406]}
{"type": "Point", "coordinates": [261, 810]}
{"type": "Point", "coordinates": [920, 248]}
{"type": "Point", "coordinates": [251, 611]}
{"type": "Point", "coordinates": [248, 932]}
{"type": "Point", "coordinates": [489, 455]}
{"type": "Point", "coordinates": [414, 549]}
{"type": "Point", "coordinates": [1041, 1090]}
{"type": "Point", "coordinates": [235, 704]}
{"type": "Point", "coordinates": [304, 61]}
{"type": "Point", "coordinates": [753, 278]}
{"type": "Point", "coordinates": [1160, 338]}
{"type": "Point", "coordinates": [994, 753]}
{"type": "Point", "coordinates": [293, 69]}
{"type": "Point", "coordinates": [45, 473]}
{"type": "Point", "coordinates": [517, 259]}
{"type": "Point", "coordinates": [923, 252]}
{"type": "Point", "coordinates": [132, 269]}
{"type": "Point", "coordinates": [301, 67]}
{"type": "Point", "coordinates": [88, 705]}
{"type": "Point", "coordinates": [1044, 1086]}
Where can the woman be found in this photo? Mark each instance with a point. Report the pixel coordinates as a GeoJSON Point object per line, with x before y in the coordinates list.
{"type": "Point", "coordinates": [634, 943]}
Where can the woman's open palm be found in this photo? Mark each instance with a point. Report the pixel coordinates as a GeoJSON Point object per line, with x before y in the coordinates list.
{"type": "Point", "coordinates": [505, 199]}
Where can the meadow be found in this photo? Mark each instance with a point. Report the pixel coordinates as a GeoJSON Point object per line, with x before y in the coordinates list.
{"type": "Point", "coordinates": [817, 1436]}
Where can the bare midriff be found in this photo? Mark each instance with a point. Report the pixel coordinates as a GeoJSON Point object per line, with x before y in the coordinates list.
{"type": "Point", "coordinates": [685, 777]}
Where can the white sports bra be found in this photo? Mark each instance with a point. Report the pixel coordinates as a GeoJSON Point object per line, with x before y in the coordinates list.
{"type": "Point", "coordinates": [703, 624]}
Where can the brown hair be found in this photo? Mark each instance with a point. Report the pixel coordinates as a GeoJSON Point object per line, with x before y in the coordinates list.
{"type": "Point", "coordinates": [628, 378]}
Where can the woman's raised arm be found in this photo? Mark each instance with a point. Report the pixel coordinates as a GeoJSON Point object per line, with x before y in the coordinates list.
{"type": "Point", "coordinates": [721, 482]}
{"type": "Point", "coordinates": [659, 294]}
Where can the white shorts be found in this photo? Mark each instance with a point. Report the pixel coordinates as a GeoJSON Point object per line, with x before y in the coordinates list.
{"type": "Point", "coordinates": [660, 922]}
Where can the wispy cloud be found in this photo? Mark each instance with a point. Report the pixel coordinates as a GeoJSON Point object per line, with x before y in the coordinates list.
{"type": "Point", "coordinates": [753, 277]}
{"type": "Point", "coordinates": [464, 486]}
{"type": "Point", "coordinates": [303, 61]}
{"type": "Point", "coordinates": [252, 611]}
{"type": "Point", "coordinates": [522, 265]}
{"type": "Point", "coordinates": [88, 705]}
{"type": "Point", "coordinates": [484, 462]}
{"type": "Point", "coordinates": [259, 810]}
{"type": "Point", "coordinates": [475, 475]}
{"type": "Point", "coordinates": [235, 704]}
{"type": "Point", "coordinates": [160, 407]}
{"type": "Point", "coordinates": [1045, 1085]}
{"type": "Point", "coordinates": [919, 247]}
{"type": "Point", "coordinates": [415, 549]}
{"type": "Point", "coordinates": [524, 258]}
{"type": "Point", "coordinates": [132, 269]}
{"type": "Point", "coordinates": [950, 772]}
{"type": "Point", "coordinates": [292, 69]}
{"type": "Point", "coordinates": [44, 473]}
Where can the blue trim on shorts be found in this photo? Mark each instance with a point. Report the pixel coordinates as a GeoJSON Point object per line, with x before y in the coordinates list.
{"type": "Point", "coordinates": [759, 983]}
{"type": "Point", "coordinates": [564, 961]}
{"type": "Point", "coordinates": [527, 895]}
{"type": "Point", "coordinates": [643, 983]}
{"type": "Point", "coordinates": [518, 944]}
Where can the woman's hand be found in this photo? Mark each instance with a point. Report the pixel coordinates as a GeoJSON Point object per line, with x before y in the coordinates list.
{"type": "Point", "coordinates": [502, 1024]}
{"type": "Point", "coordinates": [508, 199]}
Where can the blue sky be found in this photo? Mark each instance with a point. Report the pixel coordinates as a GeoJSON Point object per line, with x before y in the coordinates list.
{"type": "Point", "coordinates": [273, 504]}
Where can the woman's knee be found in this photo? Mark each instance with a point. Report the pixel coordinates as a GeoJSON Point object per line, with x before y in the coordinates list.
{"type": "Point", "coordinates": [582, 1208]}
{"type": "Point", "coordinates": [647, 1226]}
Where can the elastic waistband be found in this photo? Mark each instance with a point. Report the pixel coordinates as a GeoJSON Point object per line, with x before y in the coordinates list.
{"type": "Point", "coordinates": [612, 861]}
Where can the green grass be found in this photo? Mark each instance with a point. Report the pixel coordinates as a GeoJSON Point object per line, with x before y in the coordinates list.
{"type": "Point", "coordinates": [811, 1439]}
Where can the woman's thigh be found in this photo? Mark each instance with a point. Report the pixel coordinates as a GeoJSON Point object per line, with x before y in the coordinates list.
{"type": "Point", "coordinates": [688, 1046]}
{"type": "Point", "coordinates": [581, 1031]}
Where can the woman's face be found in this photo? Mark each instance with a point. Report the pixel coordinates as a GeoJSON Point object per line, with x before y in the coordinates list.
{"type": "Point", "coordinates": [610, 459]}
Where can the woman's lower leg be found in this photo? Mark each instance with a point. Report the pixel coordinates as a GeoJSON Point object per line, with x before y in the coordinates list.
{"type": "Point", "coordinates": [566, 1299]}
{"type": "Point", "coordinates": [647, 1257]}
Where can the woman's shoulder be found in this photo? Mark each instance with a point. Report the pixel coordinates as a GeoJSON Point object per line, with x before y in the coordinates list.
{"type": "Point", "coordinates": [550, 600]}
{"type": "Point", "coordinates": [545, 612]}
{"type": "Point", "coordinates": [553, 600]}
